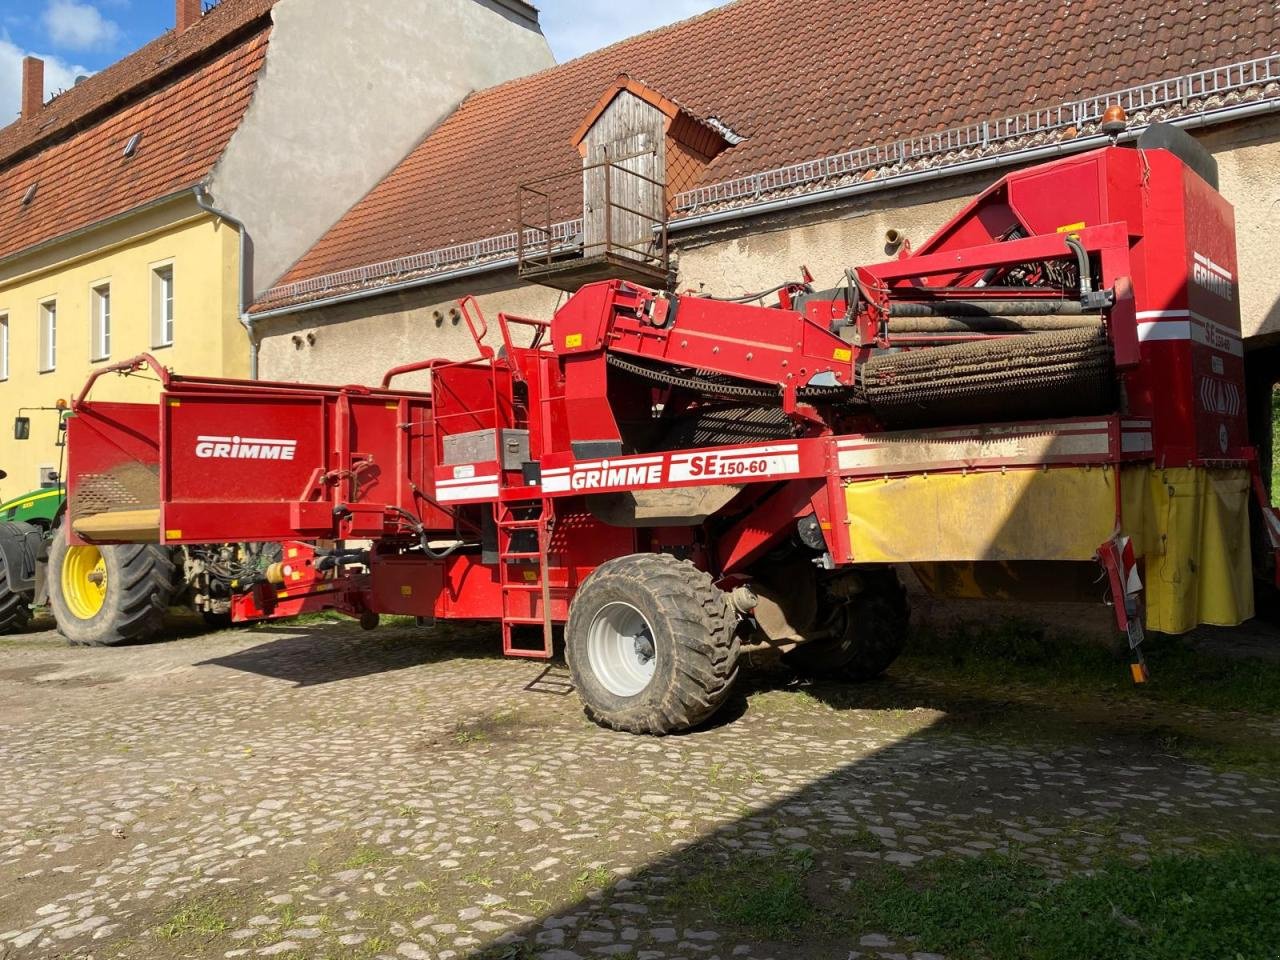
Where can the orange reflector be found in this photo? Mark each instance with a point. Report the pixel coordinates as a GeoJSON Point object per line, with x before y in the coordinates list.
{"type": "Point", "coordinates": [1139, 671]}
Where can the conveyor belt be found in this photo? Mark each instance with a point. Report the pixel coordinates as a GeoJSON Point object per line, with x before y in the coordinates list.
{"type": "Point", "coordinates": [1060, 374]}
{"type": "Point", "coordinates": [716, 426]}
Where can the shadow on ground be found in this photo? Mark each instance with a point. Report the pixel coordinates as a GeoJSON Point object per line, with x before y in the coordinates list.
{"type": "Point", "coordinates": [1077, 840]}
{"type": "Point", "coordinates": [317, 654]}
{"type": "Point", "coordinates": [925, 814]}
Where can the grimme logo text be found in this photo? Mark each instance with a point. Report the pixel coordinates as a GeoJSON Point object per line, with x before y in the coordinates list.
{"type": "Point", "coordinates": [1211, 276]}
{"type": "Point", "coordinates": [244, 448]}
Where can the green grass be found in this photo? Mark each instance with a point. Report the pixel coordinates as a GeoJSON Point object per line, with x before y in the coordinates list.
{"type": "Point", "coordinates": [197, 918]}
{"type": "Point", "coordinates": [1218, 904]}
{"type": "Point", "coordinates": [1224, 906]}
{"type": "Point", "coordinates": [1009, 681]}
{"type": "Point", "coordinates": [484, 728]}
{"type": "Point", "coordinates": [363, 857]}
{"type": "Point", "coordinates": [595, 878]}
{"type": "Point", "coordinates": [763, 897]}
{"type": "Point", "coordinates": [1018, 652]}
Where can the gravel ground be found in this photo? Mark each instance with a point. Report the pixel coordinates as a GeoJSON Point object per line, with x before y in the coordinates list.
{"type": "Point", "coordinates": [316, 791]}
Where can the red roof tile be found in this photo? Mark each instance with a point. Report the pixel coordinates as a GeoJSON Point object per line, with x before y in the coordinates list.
{"type": "Point", "coordinates": [800, 79]}
{"type": "Point", "coordinates": [85, 179]}
{"type": "Point", "coordinates": [154, 65]}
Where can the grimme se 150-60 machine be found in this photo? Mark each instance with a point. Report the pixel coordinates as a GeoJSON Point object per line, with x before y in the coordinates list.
{"type": "Point", "coordinates": [1043, 400]}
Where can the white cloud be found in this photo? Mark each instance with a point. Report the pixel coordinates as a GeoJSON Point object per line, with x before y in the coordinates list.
{"type": "Point", "coordinates": [575, 27]}
{"type": "Point", "coordinates": [58, 75]}
{"type": "Point", "coordinates": [79, 26]}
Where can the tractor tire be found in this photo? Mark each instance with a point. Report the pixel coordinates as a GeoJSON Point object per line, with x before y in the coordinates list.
{"type": "Point", "coordinates": [652, 645]}
{"type": "Point", "coordinates": [875, 631]}
{"type": "Point", "coordinates": [107, 596]}
{"type": "Point", "coordinates": [15, 608]}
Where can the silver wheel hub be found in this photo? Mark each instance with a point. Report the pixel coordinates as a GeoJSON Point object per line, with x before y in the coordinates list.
{"type": "Point", "coordinates": [621, 649]}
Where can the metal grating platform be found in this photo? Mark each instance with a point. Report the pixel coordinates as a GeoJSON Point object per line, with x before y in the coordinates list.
{"type": "Point", "coordinates": [572, 272]}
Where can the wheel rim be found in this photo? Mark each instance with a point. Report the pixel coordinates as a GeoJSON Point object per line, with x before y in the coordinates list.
{"type": "Point", "coordinates": [621, 649]}
{"type": "Point", "coordinates": [84, 581]}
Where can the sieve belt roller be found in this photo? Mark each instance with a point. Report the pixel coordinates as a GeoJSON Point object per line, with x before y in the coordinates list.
{"type": "Point", "coordinates": [1061, 373]}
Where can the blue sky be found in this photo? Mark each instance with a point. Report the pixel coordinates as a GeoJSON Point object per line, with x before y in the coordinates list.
{"type": "Point", "coordinates": [82, 36]}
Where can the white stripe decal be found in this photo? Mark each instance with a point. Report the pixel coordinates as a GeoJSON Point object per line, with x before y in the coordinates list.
{"type": "Point", "coordinates": [741, 452]}
{"type": "Point", "coordinates": [1179, 330]}
{"type": "Point", "coordinates": [464, 481]}
{"type": "Point", "coordinates": [1188, 325]}
{"type": "Point", "coordinates": [477, 491]}
{"type": "Point", "coordinates": [746, 464]}
{"type": "Point", "coordinates": [613, 462]}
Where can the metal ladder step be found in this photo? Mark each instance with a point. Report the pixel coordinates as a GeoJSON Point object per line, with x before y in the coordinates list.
{"type": "Point", "coordinates": [508, 525]}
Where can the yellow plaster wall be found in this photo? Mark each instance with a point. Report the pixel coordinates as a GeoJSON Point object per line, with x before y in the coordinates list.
{"type": "Point", "coordinates": [208, 337]}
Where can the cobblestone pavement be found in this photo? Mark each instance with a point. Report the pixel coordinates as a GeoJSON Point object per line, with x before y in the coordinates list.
{"type": "Point", "coordinates": [320, 792]}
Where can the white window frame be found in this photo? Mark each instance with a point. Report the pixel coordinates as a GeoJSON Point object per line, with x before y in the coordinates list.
{"type": "Point", "coordinates": [48, 340]}
{"type": "Point", "coordinates": [4, 345]}
{"type": "Point", "coordinates": [162, 307]}
{"type": "Point", "coordinates": [100, 321]}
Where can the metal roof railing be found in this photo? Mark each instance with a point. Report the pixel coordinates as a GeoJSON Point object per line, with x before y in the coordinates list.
{"type": "Point", "coordinates": [979, 136]}
{"type": "Point", "coordinates": [986, 134]}
{"type": "Point", "coordinates": [430, 261]}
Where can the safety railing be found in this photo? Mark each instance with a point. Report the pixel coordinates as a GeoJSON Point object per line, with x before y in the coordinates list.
{"type": "Point", "coordinates": [989, 134]}
{"type": "Point", "coordinates": [624, 216]}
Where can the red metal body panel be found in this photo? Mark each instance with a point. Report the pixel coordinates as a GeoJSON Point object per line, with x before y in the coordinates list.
{"type": "Point", "coordinates": [249, 461]}
{"type": "Point", "coordinates": [253, 461]}
{"type": "Point", "coordinates": [305, 588]}
{"type": "Point", "coordinates": [116, 458]}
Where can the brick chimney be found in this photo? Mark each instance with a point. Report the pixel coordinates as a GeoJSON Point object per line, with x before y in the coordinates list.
{"type": "Point", "coordinates": [32, 86]}
{"type": "Point", "coordinates": [189, 12]}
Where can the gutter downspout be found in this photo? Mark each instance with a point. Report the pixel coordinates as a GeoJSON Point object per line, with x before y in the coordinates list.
{"type": "Point", "coordinates": [204, 202]}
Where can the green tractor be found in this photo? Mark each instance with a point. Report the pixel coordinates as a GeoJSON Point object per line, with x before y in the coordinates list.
{"type": "Point", "coordinates": [26, 527]}
{"type": "Point", "coordinates": [106, 596]}
{"type": "Point", "coordinates": [23, 550]}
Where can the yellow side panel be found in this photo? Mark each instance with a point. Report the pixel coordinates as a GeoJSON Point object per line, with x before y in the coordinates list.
{"type": "Point", "coordinates": [1024, 514]}
{"type": "Point", "coordinates": [1192, 527]}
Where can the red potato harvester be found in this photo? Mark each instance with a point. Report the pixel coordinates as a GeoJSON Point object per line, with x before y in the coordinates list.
{"type": "Point", "coordinates": [1044, 400]}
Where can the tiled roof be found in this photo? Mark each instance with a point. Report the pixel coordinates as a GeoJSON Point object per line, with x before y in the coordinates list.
{"type": "Point", "coordinates": [799, 79]}
{"type": "Point", "coordinates": [185, 94]}
{"type": "Point", "coordinates": [155, 64]}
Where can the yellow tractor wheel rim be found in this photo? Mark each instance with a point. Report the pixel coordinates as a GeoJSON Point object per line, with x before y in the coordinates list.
{"type": "Point", "coordinates": [84, 581]}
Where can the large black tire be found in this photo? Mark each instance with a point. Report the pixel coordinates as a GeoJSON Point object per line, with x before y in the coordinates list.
{"type": "Point", "coordinates": [139, 587]}
{"type": "Point", "coordinates": [689, 630]}
{"type": "Point", "coordinates": [15, 608]}
{"type": "Point", "coordinates": [873, 635]}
